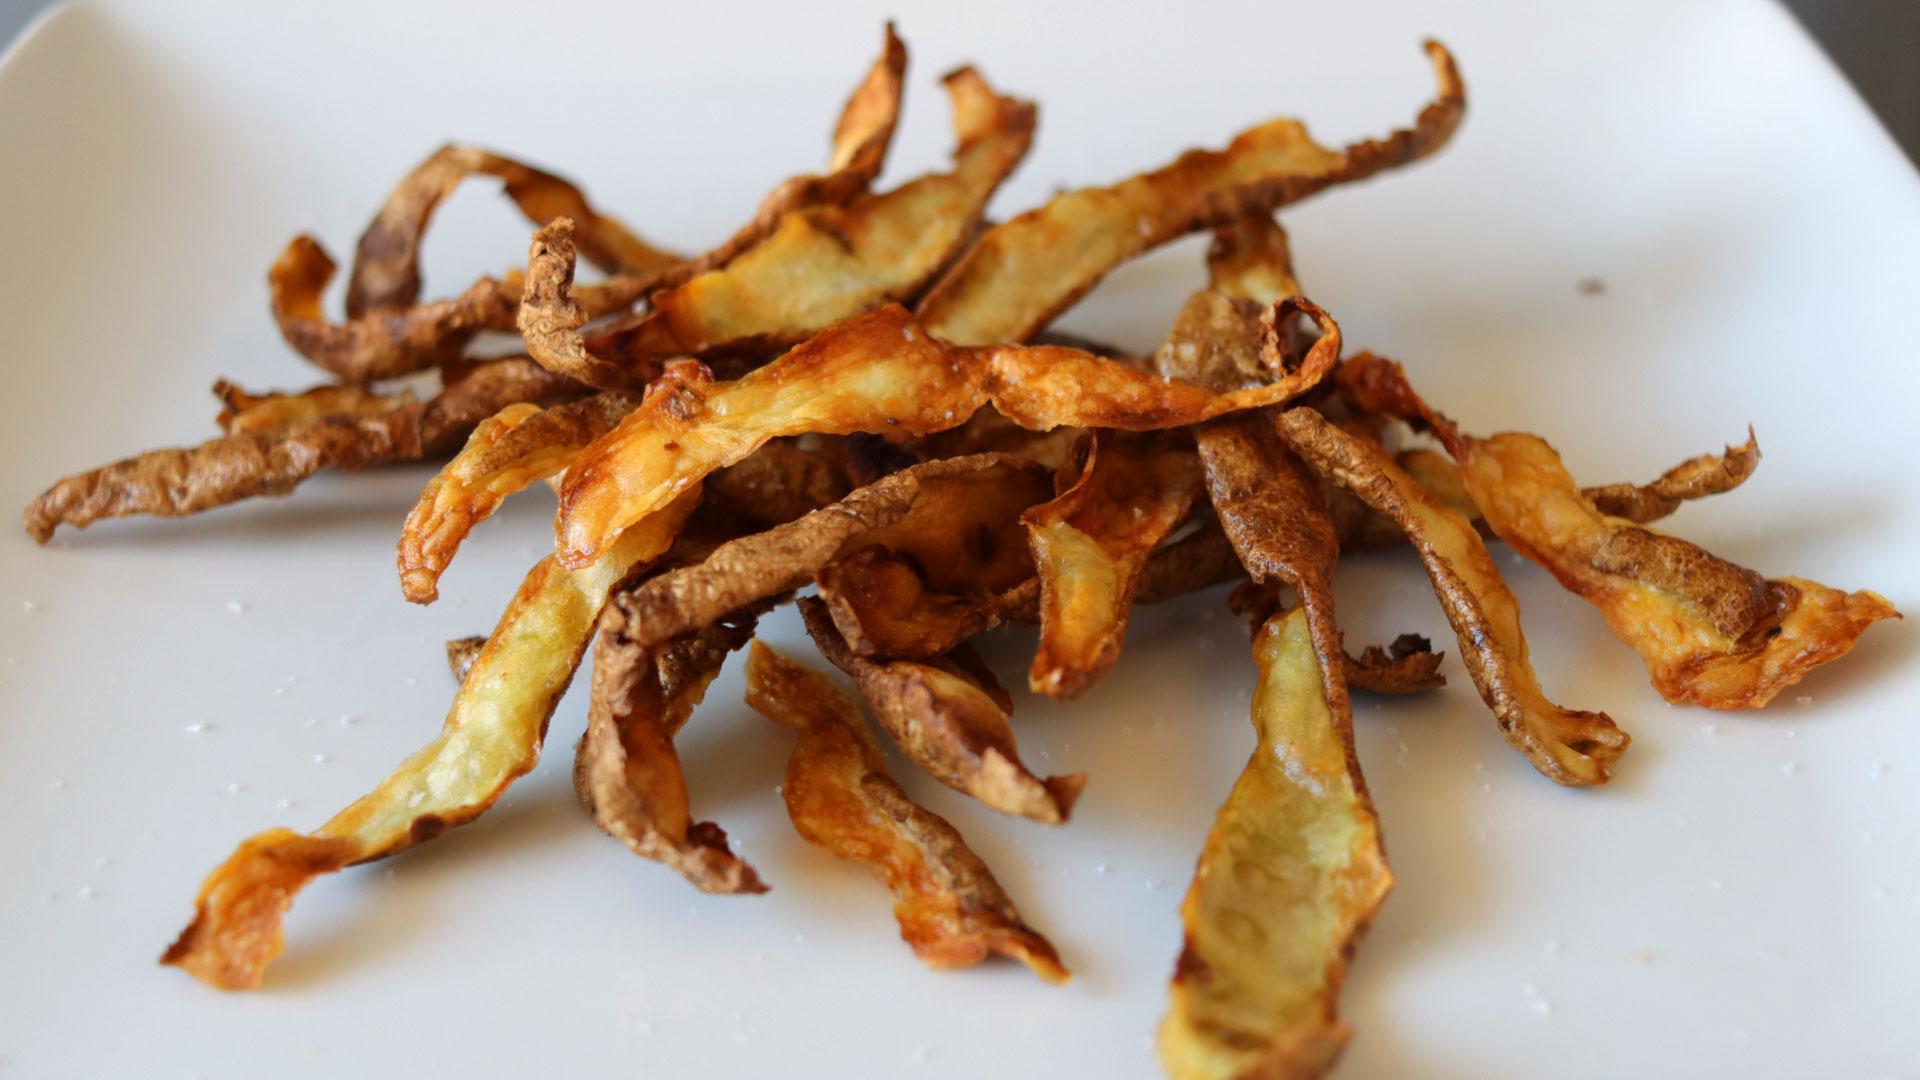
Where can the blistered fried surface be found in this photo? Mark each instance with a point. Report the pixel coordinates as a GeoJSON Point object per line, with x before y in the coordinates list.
{"type": "Point", "coordinates": [826, 262]}
{"type": "Point", "coordinates": [1291, 873]}
{"type": "Point", "coordinates": [515, 448]}
{"type": "Point", "coordinates": [387, 332]}
{"type": "Point", "coordinates": [244, 412]}
{"type": "Point", "coordinates": [780, 482]}
{"type": "Point", "coordinates": [787, 556]}
{"type": "Point", "coordinates": [491, 738]}
{"type": "Point", "coordinates": [861, 138]}
{"type": "Point", "coordinates": [273, 461]}
{"type": "Point", "coordinates": [875, 373]}
{"type": "Point", "coordinates": [951, 911]}
{"type": "Point", "coordinates": [918, 587]}
{"type": "Point", "coordinates": [1090, 549]}
{"type": "Point", "coordinates": [1711, 632]}
{"type": "Point", "coordinates": [1023, 273]}
{"type": "Point", "coordinates": [949, 724]}
{"type": "Point", "coordinates": [1567, 746]}
{"type": "Point", "coordinates": [628, 771]}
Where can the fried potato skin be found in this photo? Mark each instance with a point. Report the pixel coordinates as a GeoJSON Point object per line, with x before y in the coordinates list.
{"type": "Point", "coordinates": [1090, 549]}
{"type": "Point", "coordinates": [1291, 874]}
{"type": "Point", "coordinates": [491, 737]}
{"type": "Point", "coordinates": [875, 373]}
{"type": "Point", "coordinates": [1023, 273]}
{"type": "Point", "coordinates": [1567, 746]}
{"type": "Point", "coordinates": [826, 262]}
{"type": "Point", "coordinates": [1711, 633]}
{"type": "Point", "coordinates": [951, 911]}
{"type": "Point", "coordinates": [751, 568]}
{"type": "Point", "coordinates": [461, 653]}
{"type": "Point", "coordinates": [515, 448]}
{"type": "Point", "coordinates": [388, 332]}
{"type": "Point", "coordinates": [950, 725]}
{"type": "Point", "coordinates": [916, 588]}
{"type": "Point", "coordinates": [243, 412]}
{"type": "Point", "coordinates": [265, 461]}
{"type": "Point", "coordinates": [627, 769]}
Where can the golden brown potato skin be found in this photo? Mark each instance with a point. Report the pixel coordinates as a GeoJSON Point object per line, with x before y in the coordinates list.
{"type": "Point", "coordinates": [951, 911]}
{"type": "Point", "coordinates": [949, 722]}
{"type": "Point", "coordinates": [490, 738]}
{"type": "Point", "coordinates": [936, 499]}
{"type": "Point", "coordinates": [1567, 746]}
{"type": "Point", "coordinates": [878, 373]}
{"type": "Point", "coordinates": [273, 459]}
{"type": "Point", "coordinates": [1290, 875]}
{"type": "Point", "coordinates": [627, 770]}
{"type": "Point", "coordinates": [1090, 548]}
{"type": "Point", "coordinates": [1023, 273]}
{"type": "Point", "coordinates": [1711, 632]}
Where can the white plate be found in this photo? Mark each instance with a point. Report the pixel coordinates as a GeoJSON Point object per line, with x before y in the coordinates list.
{"type": "Point", "coordinates": [1742, 900]}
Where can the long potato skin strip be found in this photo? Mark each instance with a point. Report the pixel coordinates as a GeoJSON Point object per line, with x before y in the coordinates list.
{"type": "Point", "coordinates": [787, 556]}
{"type": "Point", "coordinates": [861, 139]}
{"type": "Point", "coordinates": [1023, 273]}
{"type": "Point", "coordinates": [1712, 633]}
{"type": "Point", "coordinates": [386, 264]}
{"type": "Point", "coordinates": [1292, 872]}
{"type": "Point", "coordinates": [188, 480]}
{"type": "Point", "coordinates": [386, 342]}
{"type": "Point", "coordinates": [387, 332]}
{"type": "Point", "coordinates": [951, 911]}
{"type": "Point", "coordinates": [628, 770]}
{"type": "Point", "coordinates": [950, 725]}
{"type": "Point", "coordinates": [1090, 548]}
{"type": "Point", "coordinates": [515, 448]}
{"type": "Point", "coordinates": [491, 737]}
{"type": "Point", "coordinates": [1381, 385]}
{"type": "Point", "coordinates": [876, 373]}
{"type": "Point", "coordinates": [828, 261]}
{"type": "Point", "coordinates": [242, 411]}
{"type": "Point", "coordinates": [1694, 478]}
{"type": "Point", "coordinates": [1567, 746]}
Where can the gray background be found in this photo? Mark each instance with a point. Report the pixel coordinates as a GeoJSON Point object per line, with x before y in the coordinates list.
{"type": "Point", "coordinates": [1876, 42]}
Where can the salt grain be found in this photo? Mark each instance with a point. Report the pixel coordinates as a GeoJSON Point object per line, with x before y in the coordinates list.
{"type": "Point", "coordinates": [236, 606]}
{"type": "Point", "coordinates": [1787, 768]}
{"type": "Point", "coordinates": [197, 727]}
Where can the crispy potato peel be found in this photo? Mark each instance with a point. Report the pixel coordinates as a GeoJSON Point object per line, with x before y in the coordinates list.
{"type": "Point", "coordinates": [1090, 550]}
{"type": "Point", "coordinates": [875, 373]}
{"type": "Point", "coordinates": [951, 911]}
{"type": "Point", "coordinates": [1022, 273]}
{"type": "Point", "coordinates": [628, 771]}
{"type": "Point", "coordinates": [1567, 746]}
{"type": "Point", "coordinates": [951, 725]}
{"type": "Point", "coordinates": [272, 459]}
{"type": "Point", "coordinates": [1711, 632]}
{"type": "Point", "coordinates": [826, 262]}
{"type": "Point", "coordinates": [1290, 875]}
{"type": "Point", "coordinates": [491, 738]}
